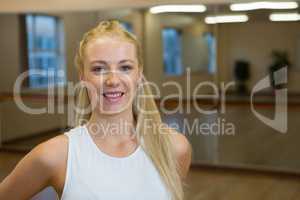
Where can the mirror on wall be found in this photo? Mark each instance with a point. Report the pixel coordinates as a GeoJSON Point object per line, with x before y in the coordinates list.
{"type": "Point", "coordinates": [241, 54]}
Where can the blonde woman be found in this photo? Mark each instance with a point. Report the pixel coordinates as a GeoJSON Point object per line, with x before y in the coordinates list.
{"type": "Point", "coordinates": [119, 148]}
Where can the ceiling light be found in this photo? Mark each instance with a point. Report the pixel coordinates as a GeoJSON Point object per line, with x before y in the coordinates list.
{"type": "Point", "coordinates": [263, 5]}
{"type": "Point", "coordinates": [284, 17]}
{"type": "Point", "coordinates": [177, 8]}
{"type": "Point", "coordinates": [226, 19]}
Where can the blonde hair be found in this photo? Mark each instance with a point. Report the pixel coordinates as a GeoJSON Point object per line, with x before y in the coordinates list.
{"type": "Point", "coordinates": [157, 142]}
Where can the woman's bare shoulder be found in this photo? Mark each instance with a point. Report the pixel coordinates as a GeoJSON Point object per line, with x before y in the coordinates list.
{"type": "Point", "coordinates": [37, 168]}
{"type": "Point", "coordinates": [60, 142]}
{"type": "Point", "coordinates": [181, 143]}
{"type": "Point", "coordinates": [183, 150]}
{"type": "Point", "coordinates": [54, 155]}
{"type": "Point", "coordinates": [53, 151]}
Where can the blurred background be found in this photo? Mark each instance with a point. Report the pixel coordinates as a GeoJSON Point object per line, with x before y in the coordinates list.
{"type": "Point", "coordinates": [217, 51]}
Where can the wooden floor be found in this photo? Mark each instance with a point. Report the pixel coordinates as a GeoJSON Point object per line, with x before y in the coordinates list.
{"type": "Point", "coordinates": [223, 184]}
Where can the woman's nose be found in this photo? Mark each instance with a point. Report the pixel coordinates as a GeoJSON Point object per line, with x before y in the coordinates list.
{"type": "Point", "coordinates": [112, 79]}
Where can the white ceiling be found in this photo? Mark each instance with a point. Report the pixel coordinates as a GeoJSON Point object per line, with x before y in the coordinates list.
{"type": "Point", "coordinates": [88, 5]}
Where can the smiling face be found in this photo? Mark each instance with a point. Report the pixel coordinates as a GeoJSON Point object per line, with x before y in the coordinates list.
{"type": "Point", "coordinates": [112, 70]}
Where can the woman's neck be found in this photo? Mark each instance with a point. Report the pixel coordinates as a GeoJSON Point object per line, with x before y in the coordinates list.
{"type": "Point", "coordinates": [119, 126]}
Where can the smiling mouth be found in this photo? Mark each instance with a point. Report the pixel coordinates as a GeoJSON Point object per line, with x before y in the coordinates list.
{"type": "Point", "coordinates": [113, 97]}
{"type": "Point", "coordinates": [113, 94]}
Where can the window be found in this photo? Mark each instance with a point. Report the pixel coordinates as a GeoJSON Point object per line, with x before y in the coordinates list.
{"type": "Point", "coordinates": [211, 46]}
{"type": "Point", "coordinates": [172, 51]}
{"type": "Point", "coordinates": [45, 56]}
{"type": "Point", "coordinates": [127, 26]}
{"type": "Point", "coordinates": [185, 48]}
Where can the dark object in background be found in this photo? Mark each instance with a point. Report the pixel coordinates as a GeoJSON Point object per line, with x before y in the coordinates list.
{"type": "Point", "coordinates": [280, 60]}
{"type": "Point", "coordinates": [241, 74]}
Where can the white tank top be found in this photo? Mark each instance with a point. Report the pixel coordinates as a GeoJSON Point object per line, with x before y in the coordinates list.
{"type": "Point", "coordinates": [94, 175]}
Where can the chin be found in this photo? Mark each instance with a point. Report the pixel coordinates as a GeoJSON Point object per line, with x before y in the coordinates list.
{"type": "Point", "coordinates": [113, 109]}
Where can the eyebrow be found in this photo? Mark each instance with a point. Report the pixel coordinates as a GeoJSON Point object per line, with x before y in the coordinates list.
{"type": "Point", "coordinates": [105, 63]}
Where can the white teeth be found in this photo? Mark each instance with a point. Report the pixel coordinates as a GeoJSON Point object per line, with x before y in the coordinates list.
{"type": "Point", "coordinates": [113, 95]}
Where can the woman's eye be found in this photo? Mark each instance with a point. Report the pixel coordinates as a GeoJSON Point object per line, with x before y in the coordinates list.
{"type": "Point", "coordinates": [98, 69]}
{"type": "Point", "coordinates": [126, 67]}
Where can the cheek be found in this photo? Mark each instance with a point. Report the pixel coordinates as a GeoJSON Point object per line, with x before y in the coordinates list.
{"type": "Point", "coordinates": [131, 83]}
{"type": "Point", "coordinates": [134, 90]}
{"type": "Point", "coordinates": [95, 83]}
{"type": "Point", "coordinates": [92, 92]}
{"type": "Point", "coordinates": [93, 88]}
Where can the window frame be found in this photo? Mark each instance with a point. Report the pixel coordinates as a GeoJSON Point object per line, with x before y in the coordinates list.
{"type": "Point", "coordinates": [24, 50]}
